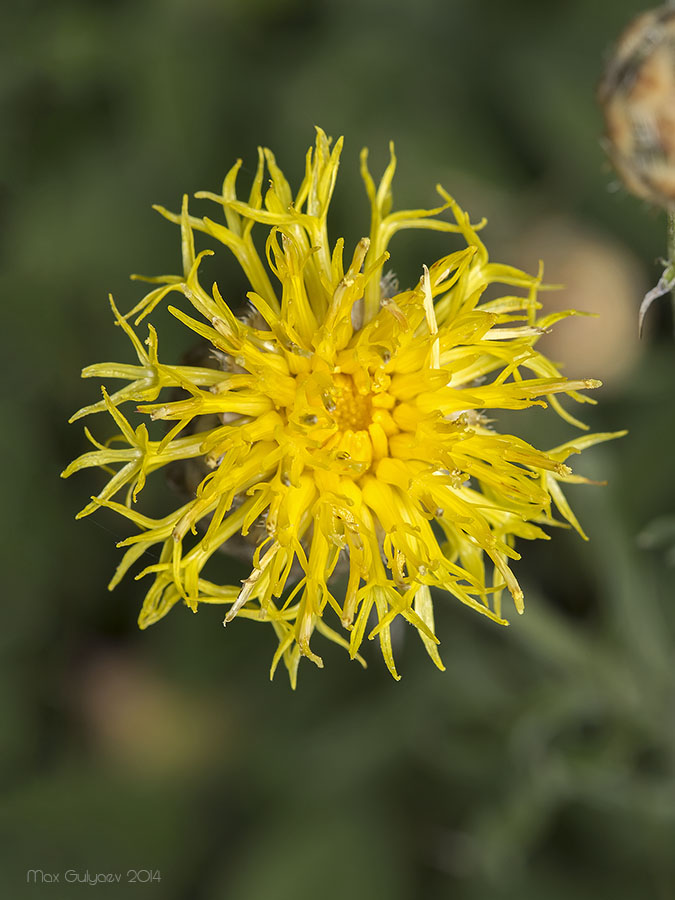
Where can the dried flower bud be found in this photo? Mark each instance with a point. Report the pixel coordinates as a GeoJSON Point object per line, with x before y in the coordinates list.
{"type": "Point", "coordinates": [637, 94]}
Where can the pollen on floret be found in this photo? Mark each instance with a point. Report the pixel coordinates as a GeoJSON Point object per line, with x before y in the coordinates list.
{"type": "Point", "coordinates": [353, 409]}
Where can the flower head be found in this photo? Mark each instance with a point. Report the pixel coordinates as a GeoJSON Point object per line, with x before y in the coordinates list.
{"type": "Point", "coordinates": [341, 423]}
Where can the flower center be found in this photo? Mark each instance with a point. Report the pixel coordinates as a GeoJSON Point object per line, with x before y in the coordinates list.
{"type": "Point", "coordinates": [352, 409]}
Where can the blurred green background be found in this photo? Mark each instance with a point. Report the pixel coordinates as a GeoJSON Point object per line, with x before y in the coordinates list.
{"type": "Point", "coordinates": [542, 763]}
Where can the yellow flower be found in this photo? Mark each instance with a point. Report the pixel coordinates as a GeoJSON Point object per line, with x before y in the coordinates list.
{"type": "Point", "coordinates": [341, 423]}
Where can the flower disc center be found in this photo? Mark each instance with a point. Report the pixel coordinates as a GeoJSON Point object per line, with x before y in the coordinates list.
{"type": "Point", "coordinates": [352, 409]}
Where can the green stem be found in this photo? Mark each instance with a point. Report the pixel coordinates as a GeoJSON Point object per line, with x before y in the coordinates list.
{"type": "Point", "coordinates": [671, 257]}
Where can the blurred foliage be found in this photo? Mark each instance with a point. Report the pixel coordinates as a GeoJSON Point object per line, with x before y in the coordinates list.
{"type": "Point", "coordinates": [542, 763]}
